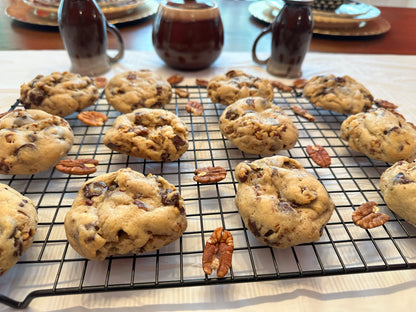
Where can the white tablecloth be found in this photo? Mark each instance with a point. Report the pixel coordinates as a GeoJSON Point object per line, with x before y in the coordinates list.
{"type": "Point", "coordinates": [388, 77]}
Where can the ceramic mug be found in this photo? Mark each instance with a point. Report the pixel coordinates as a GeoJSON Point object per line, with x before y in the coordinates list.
{"type": "Point", "coordinates": [83, 28]}
{"type": "Point", "coordinates": [189, 34]}
{"type": "Point", "coordinates": [291, 36]}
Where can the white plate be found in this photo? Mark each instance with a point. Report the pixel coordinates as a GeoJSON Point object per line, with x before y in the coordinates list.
{"type": "Point", "coordinates": [21, 12]}
{"type": "Point", "coordinates": [375, 26]}
{"type": "Point", "coordinates": [118, 6]}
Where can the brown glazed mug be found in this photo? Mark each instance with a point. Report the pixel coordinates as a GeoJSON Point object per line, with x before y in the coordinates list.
{"type": "Point", "coordinates": [291, 36]}
{"type": "Point", "coordinates": [83, 28]}
{"type": "Point", "coordinates": [188, 34]}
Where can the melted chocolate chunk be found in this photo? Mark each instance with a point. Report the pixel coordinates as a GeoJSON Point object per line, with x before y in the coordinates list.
{"type": "Point", "coordinates": [36, 96]}
{"type": "Point", "coordinates": [170, 197]}
{"type": "Point", "coordinates": [231, 115]}
{"type": "Point", "coordinates": [140, 204]}
{"type": "Point", "coordinates": [253, 227]}
{"type": "Point", "coordinates": [178, 142]}
{"type": "Point", "coordinates": [400, 178]}
{"type": "Point", "coordinates": [25, 146]}
{"type": "Point", "coordinates": [285, 207]}
{"type": "Point", "coordinates": [93, 189]}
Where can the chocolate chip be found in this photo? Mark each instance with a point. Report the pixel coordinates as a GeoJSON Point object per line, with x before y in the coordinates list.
{"type": "Point", "coordinates": [140, 204]}
{"type": "Point", "coordinates": [285, 207]}
{"type": "Point", "coordinates": [400, 178]}
{"type": "Point", "coordinates": [36, 96]}
{"type": "Point", "coordinates": [140, 131]}
{"type": "Point", "coordinates": [90, 226]}
{"type": "Point", "coordinates": [253, 227]}
{"type": "Point", "coordinates": [170, 197]}
{"type": "Point", "coordinates": [31, 137]}
{"type": "Point", "coordinates": [269, 232]}
{"type": "Point", "coordinates": [231, 115]}
{"type": "Point", "coordinates": [386, 132]}
{"type": "Point", "coordinates": [131, 76]}
{"type": "Point", "coordinates": [178, 142]}
{"type": "Point", "coordinates": [94, 189]}
{"type": "Point", "coordinates": [25, 146]}
{"type": "Point", "coordinates": [250, 101]}
{"type": "Point", "coordinates": [4, 167]}
{"type": "Point", "coordinates": [340, 80]}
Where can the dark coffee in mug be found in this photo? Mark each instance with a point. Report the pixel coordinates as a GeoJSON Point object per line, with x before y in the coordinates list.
{"type": "Point", "coordinates": [188, 37]}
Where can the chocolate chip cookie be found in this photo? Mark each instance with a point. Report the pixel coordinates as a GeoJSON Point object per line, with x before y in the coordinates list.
{"type": "Point", "coordinates": [124, 212]}
{"type": "Point", "coordinates": [339, 94]}
{"type": "Point", "coordinates": [398, 186]}
{"type": "Point", "coordinates": [18, 222]}
{"type": "Point", "coordinates": [280, 202]}
{"type": "Point", "coordinates": [136, 89]}
{"type": "Point", "coordinates": [154, 134]}
{"type": "Point", "coordinates": [32, 141]}
{"type": "Point", "coordinates": [380, 135]}
{"type": "Point", "coordinates": [59, 94]}
{"type": "Point", "coordinates": [235, 85]}
{"type": "Point", "coordinates": [256, 125]}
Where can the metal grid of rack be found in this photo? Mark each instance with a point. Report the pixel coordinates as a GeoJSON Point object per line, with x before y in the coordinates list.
{"type": "Point", "coordinates": [51, 267]}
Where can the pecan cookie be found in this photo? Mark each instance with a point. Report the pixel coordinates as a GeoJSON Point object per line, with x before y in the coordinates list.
{"type": "Point", "coordinates": [155, 134]}
{"type": "Point", "coordinates": [256, 125]}
{"type": "Point", "coordinates": [235, 85]}
{"type": "Point", "coordinates": [280, 202]}
{"type": "Point", "coordinates": [59, 94]}
{"type": "Point", "coordinates": [18, 222]}
{"type": "Point", "coordinates": [380, 135]}
{"type": "Point", "coordinates": [339, 94]}
{"type": "Point", "coordinates": [32, 141]}
{"type": "Point", "coordinates": [398, 186]}
{"type": "Point", "coordinates": [124, 212]}
{"type": "Point", "coordinates": [136, 89]}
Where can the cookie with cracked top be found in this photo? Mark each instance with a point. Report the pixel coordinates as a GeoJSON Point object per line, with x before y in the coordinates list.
{"type": "Point", "coordinates": [281, 203]}
{"type": "Point", "coordinates": [343, 94]}
{"type": "Point", "coordinates": [398, 187]}
{"type": "Point", "coordinates": [131, 90]}
{"type": "Point", "coordinates": [256, 125]}
{"type": "Point", "coordinates": [154, 134]}
{"type": "Point", "coordinates": [32, 141]}
{"type": "Point", "coordinates": [381, 135]}
{"type": "Point", "coordinates": [18, 223]}
{"type": "Point", "coordinates": [124, 212]}
{"type": "Point", "coordinates": [235, 84]}
{"type": "Point", "coordinates": [60, 93]}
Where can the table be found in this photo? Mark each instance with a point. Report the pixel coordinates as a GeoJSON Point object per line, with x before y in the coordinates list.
{"type": "Point", "coordinates": [240, 31]}
{"type": "Point", "coordinates": [390, 77]}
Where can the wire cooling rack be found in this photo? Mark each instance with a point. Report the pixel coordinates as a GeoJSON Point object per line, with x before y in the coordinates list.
{"type": "Point", "coordinates": [51, 267]}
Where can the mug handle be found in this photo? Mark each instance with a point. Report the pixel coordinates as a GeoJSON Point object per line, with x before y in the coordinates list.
{"type": "Point", "coordinates": [113, 29]}
{"type": "Point", "coordinates": [253, 50]}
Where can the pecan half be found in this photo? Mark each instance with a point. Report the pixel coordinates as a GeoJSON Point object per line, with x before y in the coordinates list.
{"type": "Point", "coordinates": [209, 174]}
{"type": "Point", "coordinates": [368, 217]}
{"type": "Point", "coordinates": [302, 112]}
{"type": "Point", "coordinates": [386, 104]}
{"type": "Point", "coordinates": [218, 252]}
{"type": "Point", "coordinates": [194, 108]}
{"type": "Point", "coordinates": [182, 93]}
{"type": "Point", "coordinates": [300, 83]}
{"type": "Point", "coordinates": [201, 82]}
{"type": "Point", "coordinates": [77, 166]}
{"type": "Point", "coordinates": [92, 118]}
{"type": "Point", "coordinates": [319, 155]}
{"type": "Point", "coordinates": [174, 79]}
{"type": "Point", "coordinates": [281, 86]}
{"type": "Point", "coordinates": [100, 82]}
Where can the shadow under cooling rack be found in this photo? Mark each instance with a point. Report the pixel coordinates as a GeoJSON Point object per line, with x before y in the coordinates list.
{"type": "Point", "coordinates": [51, 267]}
